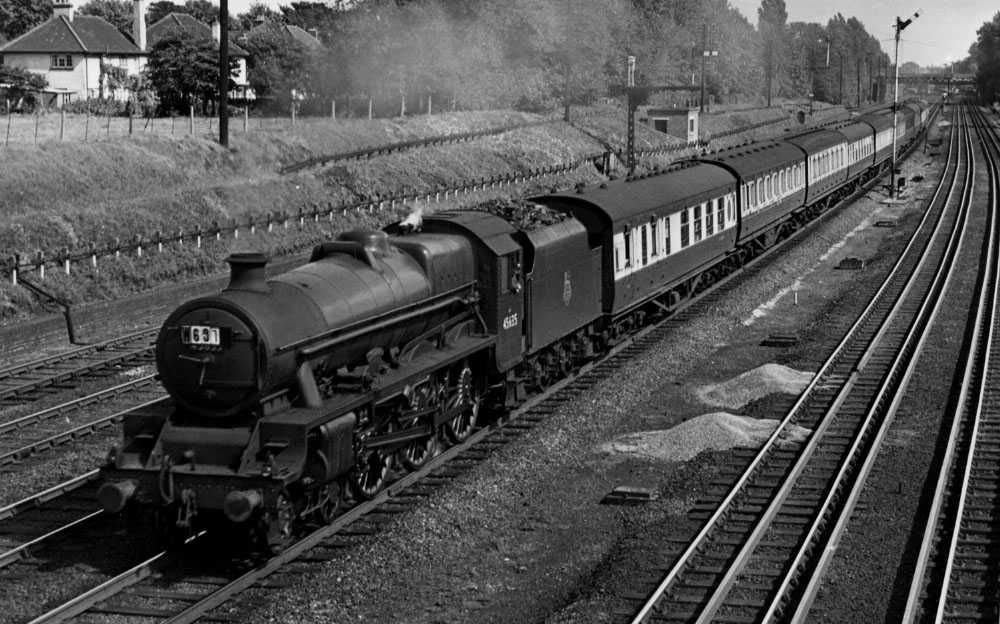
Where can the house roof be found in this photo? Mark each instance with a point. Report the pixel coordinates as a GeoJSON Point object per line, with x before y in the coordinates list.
{"type": "Point", "coordinates": [86, 33]}
{"type": "Point", "coordinates": [182, 22]}
{"type": "Point", "coordinates": [299, 35]}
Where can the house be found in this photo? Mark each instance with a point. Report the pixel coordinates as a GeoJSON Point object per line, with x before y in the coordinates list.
{"type": "Point", "coordinates": [183, 23]}
{"type": "Point", "coordinates": [307, 39]}
{"type": "Point", "coordinates": [72, 50]}
{"type": "Point", "coordinates": [679, 122]}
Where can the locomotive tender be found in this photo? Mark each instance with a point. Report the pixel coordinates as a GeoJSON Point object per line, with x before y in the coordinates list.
{"type": "Point", "coordinates": [386, 343]}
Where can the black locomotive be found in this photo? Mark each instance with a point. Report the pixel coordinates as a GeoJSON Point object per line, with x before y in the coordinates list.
{"type": "Point", "coordinates": [387, 343]}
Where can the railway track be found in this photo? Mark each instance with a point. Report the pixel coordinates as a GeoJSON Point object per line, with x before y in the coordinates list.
{"type": "Point", "coordinates": [958, 567]}
{"type": "Point", "coordinates": [185, 586]}
{"type": "Point", "coordinates": [761, 548]}
{"type": "Point", "coordinates": [52, 427]}
{"type": "Point", "coordinates": [30, 381]}
{"type": "Point", "coordinates": [32, 523]}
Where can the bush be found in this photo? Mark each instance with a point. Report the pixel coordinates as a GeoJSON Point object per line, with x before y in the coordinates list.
{"type": "Point", "coordinates": [99, 106]}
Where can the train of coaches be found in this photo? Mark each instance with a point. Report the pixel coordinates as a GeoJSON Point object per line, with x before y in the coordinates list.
{"type": "Point", "coordinates": [286, 393]}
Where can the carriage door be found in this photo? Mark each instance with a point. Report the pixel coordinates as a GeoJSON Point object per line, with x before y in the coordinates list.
{"type": "Point", "coordinates": [510, 309]}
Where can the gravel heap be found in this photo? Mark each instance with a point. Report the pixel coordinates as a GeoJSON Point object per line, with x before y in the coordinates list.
{"type": "Point", "coordinates": [523, 214]}
{"type": "Point", "coordinates": [754, 384]}
{"type": "Point", "coordinates": [715, 431]}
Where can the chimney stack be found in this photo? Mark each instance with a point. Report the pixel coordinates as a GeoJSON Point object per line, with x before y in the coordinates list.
{"type": "Point", "coordinates": [139, 23]}
{"type": "Point", "coordinates": [63, 9]}
{"type": "Point", "coordinates": [216, 31]}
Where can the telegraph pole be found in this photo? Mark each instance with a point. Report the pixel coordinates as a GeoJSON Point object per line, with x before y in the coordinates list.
{"type": "Point", "coordinates": [224, 73]}
{"type": "Point", "coordinates": [840, 95]}
{"type": "Point", "coordinates": [705, 53]}
{"type": "Point", "coordinates": [900, 25]}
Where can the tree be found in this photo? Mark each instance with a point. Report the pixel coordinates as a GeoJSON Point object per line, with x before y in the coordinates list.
{"type": "Point", "coordinates": [258, 13]}
{"type": "Point", "coordinates": [986, 54]}
{"type": "Point", "coordinates": [771, 19]}
{"type": "Point", "coordinates": [116, 12]}
{"type": "Point", "coordinates": [277, 65]}
{"type": "Point", "coordinates": [160, 9]}
{"type": "Point", "coordinates": [19, 16]}
{"type": "Point", "coordinates": [23, 84]}
{"type": "Point", "coordinates": [203, 10]}
{"type": "Point", "coordinates": [183, 69]}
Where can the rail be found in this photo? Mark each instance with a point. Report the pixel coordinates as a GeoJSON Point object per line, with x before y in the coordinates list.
{"type": "Point", "coordinates": [968, 465]}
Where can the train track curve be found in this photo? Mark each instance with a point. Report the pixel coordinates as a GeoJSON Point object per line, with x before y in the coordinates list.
{"type": "Point", "coordinates": [759, 551]}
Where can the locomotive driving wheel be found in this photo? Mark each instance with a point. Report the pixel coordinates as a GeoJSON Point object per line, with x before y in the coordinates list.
{"type": "Point", "coordinates": [417, 453]}
{"type": "Point", "coordinates": [467, 395]}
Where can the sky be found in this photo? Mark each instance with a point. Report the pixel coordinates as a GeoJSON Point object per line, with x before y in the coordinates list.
{"type": "Point", "coordinates": [942, 34]}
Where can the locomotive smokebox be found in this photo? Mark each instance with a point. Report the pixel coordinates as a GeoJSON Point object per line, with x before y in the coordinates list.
{"type": "Point", "coordinates": [247, 271]}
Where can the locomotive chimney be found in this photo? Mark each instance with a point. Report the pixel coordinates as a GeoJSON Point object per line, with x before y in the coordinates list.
{"type": "Point", "coordinates": [247, 272]}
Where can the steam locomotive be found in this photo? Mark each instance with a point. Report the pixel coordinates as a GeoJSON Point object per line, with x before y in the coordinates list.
{"type": "Point", "coordinates": [386, 344]}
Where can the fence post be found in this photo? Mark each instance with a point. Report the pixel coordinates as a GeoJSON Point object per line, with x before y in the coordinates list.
{"type": "Point", "coordinates": [246, 118]}
{"type": "Point", "coordinates": [40, 263]}
{"type": "Point", "coordinates": [293, 112]}
{"type": "Point", "coordinates": [333, 108]}
{"type": "Point", "coordinates": [118, 248]}
{"type": "Point", "coordinates": [86, 124]}
{"type": "Point", "coordinates": [180, 237]}
{"type": "Point", "coordinates": [62, 122]}
{"type": "Point", "coordinates": [6, 141]}
{"type": "Point", "coordinates": [369, 107]}
{"type": "Point", "coordinates": [191, 118]}
{"type": "Point", "coordinates": [37, 116]}
{"type": "Point", "coordinates": [109, 121]}
{"type": "Point", "coordinates": [429, 96]}
{"type": "Point", "coordinates": [130, 121]}
{"type": "Point", "coordinates": [158, 237]}
{"type": "Point", "coordinates": [14, 271]}
{"type": "Point", "coordinates": [138, 245]}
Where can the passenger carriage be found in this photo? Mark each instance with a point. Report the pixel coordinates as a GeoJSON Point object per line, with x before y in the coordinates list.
{"type": "Point", "coordinates": [771, 186]}
{"type": "Point", "coordinates": [825, 157]}
{"type": "Point", "coordinates": [657, 232]}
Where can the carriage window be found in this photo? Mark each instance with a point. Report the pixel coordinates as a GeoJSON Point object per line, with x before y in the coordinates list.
{"type": "Point", "coordinates": [684, 229]}
{"type": "Point", "coordinates": [750, 196]}
{"type": "Point", "coordinates": [666, 236]}
{"type": "Point", "coordinates": [774, 186]}
{"type": "Point", "coordinates": [645, 245]}
{"type": "Point", "coordinates": [628, 248]}
{"type": "Point", "coordinates": [697, 223]}
{"type": "Point", "coordinates": [720, 221]}
{"type": "Point", "coordinates": [709, 222]}
{"type": "Point", "coordinates": [652, 236]}
{"type": "Point", "coordinates": [760, 193]}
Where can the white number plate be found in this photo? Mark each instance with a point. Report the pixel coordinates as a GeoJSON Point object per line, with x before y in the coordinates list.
{"type": "Point", "coordinates": [200, 335]}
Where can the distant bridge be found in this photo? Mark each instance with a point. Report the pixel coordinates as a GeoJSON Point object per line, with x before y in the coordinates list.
{"type": "Point", "coordinates": [937, 79]}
